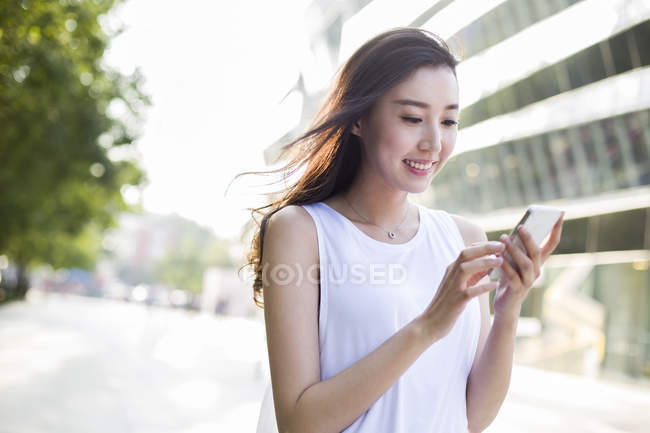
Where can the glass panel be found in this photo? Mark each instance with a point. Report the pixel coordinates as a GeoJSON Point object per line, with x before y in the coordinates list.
{"type": "Point", "coordinates": [495, 178]}
{"type": "Point", "coordinates": [577, 150]}
{"type": "Point", "coordinates": [642, 38]}
{"type": "Point", "coordinates": [605, 180]}
{"type": "Point", "coordinates": [620, 53]}
{"type": "Point", "coordinates": [513, 182]}
{"type": "Point", "coordinates": [564, 164]}
{"type": "Point", "coordinates": [644, 121]}
{"type": "Point", "coordinates": [526, 175]}
{"type": "Point", "coordinates": [638, 146]}
{"type": "Point", "coordinates": [621, 230]}
{"type": "Point", "coordinates": [613, 150]}
{"type": "Point", "coordinates": [523, 13]}
{"type": "Point", "coordinates": [578, 69]}
{"type": "Point", "coordinates": [631, 177]}
{"type": "Point", "coordinates": [542, 168]}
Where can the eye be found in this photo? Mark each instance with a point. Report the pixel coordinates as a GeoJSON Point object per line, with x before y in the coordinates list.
{"type": "Point", "coordinates": [417, 120]}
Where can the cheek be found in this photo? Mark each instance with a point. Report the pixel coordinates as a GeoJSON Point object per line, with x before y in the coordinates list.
{"type": "Point", "coordinates": [389, 131]}
{"type": "Point", "coordinates": [389, 142]}
{"type": "Point", "coordinates": [447, 149]}
{"type": "Point", "coordinates": [449, 143]}
{"type": "Point", "coordinates": [400, 141]}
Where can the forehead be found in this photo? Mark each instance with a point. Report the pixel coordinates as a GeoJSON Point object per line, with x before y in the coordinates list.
{"type": "Point", "coordinates": [435, 85]}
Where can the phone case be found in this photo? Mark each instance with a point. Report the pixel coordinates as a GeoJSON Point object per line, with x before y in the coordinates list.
{"type": "Point", "coordinates": [539, 221]}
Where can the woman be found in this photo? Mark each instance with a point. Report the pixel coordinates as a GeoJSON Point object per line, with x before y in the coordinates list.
{"type": "Point", "coordinates": [377, 308]}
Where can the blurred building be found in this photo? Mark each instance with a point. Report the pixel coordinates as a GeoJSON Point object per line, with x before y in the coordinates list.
{"type": "Point", "coordinates": [225, 293]}
{"type": "Point", "coordinates": [555, 99]}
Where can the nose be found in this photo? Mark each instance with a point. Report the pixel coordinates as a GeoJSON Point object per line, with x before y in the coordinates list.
{"type": "Point", "coordinates": [431, 139]}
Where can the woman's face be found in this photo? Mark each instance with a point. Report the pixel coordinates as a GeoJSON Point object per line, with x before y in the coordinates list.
{"type": "Point", "coordinates": [414, 122]}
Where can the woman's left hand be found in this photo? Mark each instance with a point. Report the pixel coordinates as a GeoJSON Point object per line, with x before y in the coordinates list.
{"type": "Point", "coordinates": [511, 293]}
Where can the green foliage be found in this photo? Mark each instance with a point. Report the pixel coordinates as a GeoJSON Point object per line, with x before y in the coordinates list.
{"type": "Point", "coordinates": [189, 254]}
{"type": "Point", "coordinates": [55, 125]}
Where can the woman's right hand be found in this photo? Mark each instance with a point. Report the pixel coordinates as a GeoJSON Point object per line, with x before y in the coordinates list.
{"type": "Point", "coordinates": [458, 285]}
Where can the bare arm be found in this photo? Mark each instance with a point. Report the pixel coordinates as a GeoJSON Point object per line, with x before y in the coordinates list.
{"type": "Point", "coordinates": [303, 403]}
{"type": "Point", "coordinates": [488, 383]}
{"type": "Point", "coordinates": [335, 403]}
{"type": "Point", "coordinates": [489, 378]}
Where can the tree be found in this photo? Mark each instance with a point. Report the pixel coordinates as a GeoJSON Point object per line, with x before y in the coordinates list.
{"type": "Point", "coordinates": [58, 186]}
{"type": "Point", "coordinates": [190, 252]}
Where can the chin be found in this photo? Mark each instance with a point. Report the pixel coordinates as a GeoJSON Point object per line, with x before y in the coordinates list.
{"type": "Point", "coordinates": [417, 188]}
{"type": "Point", "coordinates": [420, 190]}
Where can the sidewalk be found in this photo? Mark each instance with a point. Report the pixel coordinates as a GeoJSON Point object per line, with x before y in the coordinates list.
{"type": "Point", "coordinates": [73, 364]}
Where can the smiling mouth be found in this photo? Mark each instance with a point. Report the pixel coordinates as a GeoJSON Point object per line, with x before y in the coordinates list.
{"type": "Point", "coordinates": [418, 165]}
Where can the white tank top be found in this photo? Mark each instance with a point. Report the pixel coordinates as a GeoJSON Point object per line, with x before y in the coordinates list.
{"type": "Point", "coordinates": [369, 290]}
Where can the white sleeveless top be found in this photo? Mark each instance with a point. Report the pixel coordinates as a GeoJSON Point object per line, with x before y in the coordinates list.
{"type": "Point", "coordinates": [369, 290]}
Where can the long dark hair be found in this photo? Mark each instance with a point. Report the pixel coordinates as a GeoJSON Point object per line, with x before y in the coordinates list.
{"type": "Point", "coordinates": [331, 153]}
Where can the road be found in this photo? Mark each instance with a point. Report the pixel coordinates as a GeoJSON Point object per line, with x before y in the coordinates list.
{"type": "Point", "coordinates": [72, 364]}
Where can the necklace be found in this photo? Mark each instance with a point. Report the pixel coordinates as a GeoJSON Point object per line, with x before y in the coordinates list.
{"type": "Point", "coordinates": [391, 233]}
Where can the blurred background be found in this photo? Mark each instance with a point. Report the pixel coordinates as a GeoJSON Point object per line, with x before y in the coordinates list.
{"type": "Point", "coordinates": [123, 122]}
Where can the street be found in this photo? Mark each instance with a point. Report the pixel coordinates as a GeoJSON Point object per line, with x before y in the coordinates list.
{"type": "Point", "coordinates": [72, 364]}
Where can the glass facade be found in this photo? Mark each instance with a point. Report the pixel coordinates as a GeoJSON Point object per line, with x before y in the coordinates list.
{"type": "Point", "coordinates": [625, 51]}
{"type": "Point", "coordinates": [579, 161]}
{"type": "Point", "coordinates": [506, 20]}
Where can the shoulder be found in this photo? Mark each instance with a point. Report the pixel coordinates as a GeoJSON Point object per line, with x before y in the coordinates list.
{"type": "Point", "coordinates": [291, 229]}
{"type": "Point", "coordinates": [469, 230]}
{"type": "Point", "coordinates": [290, 218]}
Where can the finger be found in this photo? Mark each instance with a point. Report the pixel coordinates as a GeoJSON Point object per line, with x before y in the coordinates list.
{"type": "Point", "coordinates": [522, 262]}
{"type": "Point", "coordinates": [480, 289]}
{"type": "Point", "coordinates": [473, 252]}
{"type": "Point", "coordinates": [553, 240]}
{"type": "Point", "coordinates": [511, 274]}
{"type": "Point", "coordinates": [532, 249]}
{"type": "Point", "coordinates": [483, 264]}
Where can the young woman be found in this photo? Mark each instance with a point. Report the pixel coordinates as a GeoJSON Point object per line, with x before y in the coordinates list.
{"type": "Point", "coordinates": [376, 308]}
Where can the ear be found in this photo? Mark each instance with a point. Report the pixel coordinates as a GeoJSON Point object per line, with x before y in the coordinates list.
{"type": "Point", "coordinates": [356, 128]}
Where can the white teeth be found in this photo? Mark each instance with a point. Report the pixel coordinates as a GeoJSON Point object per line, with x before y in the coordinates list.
{"type": "Point", "coordinates": [418, 165]}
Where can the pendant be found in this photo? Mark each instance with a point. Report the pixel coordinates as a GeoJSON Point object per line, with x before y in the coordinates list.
{"type": "Point", "coordinates": [391, 235]}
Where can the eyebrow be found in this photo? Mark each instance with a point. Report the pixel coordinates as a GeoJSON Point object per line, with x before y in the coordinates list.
{"type": "Point", "coordinates": [421, 104]}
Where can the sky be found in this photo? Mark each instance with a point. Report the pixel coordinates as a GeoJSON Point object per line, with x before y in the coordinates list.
{"type": "Point", "coordinates": [216, 72]}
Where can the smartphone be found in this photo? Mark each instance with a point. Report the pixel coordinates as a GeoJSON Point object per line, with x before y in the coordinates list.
{"type": "Point", "coordinates": [539, 221]}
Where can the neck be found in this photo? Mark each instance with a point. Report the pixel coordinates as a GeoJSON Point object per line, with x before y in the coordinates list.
{"type": "Point", "coordinates": [378, 203]}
